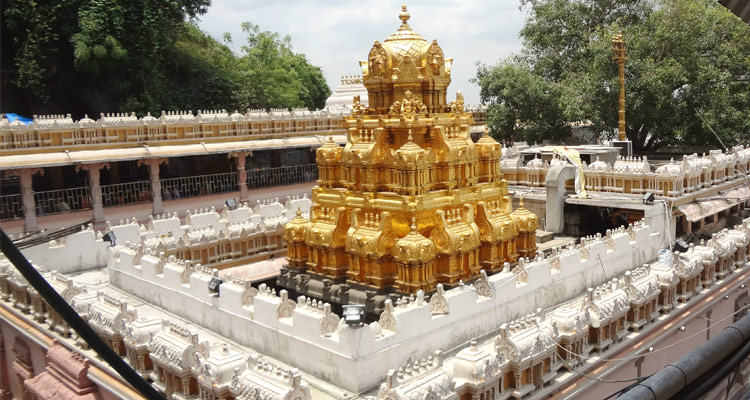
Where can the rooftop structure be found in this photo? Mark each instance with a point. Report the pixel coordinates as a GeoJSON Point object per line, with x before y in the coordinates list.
{"type": "Point", "coordinates": [410, 201]}
{"type": "Point", "coordinates": [200, 351]}
{"type": "Point", "coordinates": [55, 164]}
{"type": "Point", "coordinates": [415, 220]}
{"type": "Point", "coordinates": [341, 98]}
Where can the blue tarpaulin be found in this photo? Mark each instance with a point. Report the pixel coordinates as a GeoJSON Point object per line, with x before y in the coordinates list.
{"type": "Point", "coordinates": [13, 117]}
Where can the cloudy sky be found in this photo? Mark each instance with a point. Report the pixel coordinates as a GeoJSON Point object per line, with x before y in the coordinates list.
{"type": "Point", "coordinates": [336, 34]}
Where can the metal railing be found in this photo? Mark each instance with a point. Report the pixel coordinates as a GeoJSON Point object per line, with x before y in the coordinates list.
{"type": "Point", "coordinates": [263, 177]}
{"type": "Point", "coordinates": [126, 193]}
{"type": "Point", "coordinates": [200, 185]}
{"type": "Point", "coordinates": [10, 207]}
{"type": "Point", "coordinates": [74, 199]}
{"type": "Point", "coordinates": [62, 200]}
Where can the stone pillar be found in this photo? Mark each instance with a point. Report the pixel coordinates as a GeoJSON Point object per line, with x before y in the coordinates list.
{"type": "Point", "coordinates": [555, 187]}
{"type": "Point", "coordinates": [240, 159]}
{"type": "Point", "coordinates": [186, 387]}
{"type": "Point", "coordinates": [95, 187]}
{"type": "Point", "coordinates": [27, 195]}
{"type": "Point", "coordinates": [153, 173]}
{"type": "Point", "coordinates": [638, 365]}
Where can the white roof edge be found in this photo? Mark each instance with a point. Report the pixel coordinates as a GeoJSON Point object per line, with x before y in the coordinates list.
{"type": "Point", "coordinates": [136, 153]}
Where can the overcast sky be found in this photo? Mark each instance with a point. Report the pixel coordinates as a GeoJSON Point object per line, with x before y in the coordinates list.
{"type": "Point", "coordinates": [336, 34]}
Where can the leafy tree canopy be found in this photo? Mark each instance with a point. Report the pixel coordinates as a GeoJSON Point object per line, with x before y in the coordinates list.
{"type": "Point", "coordinates": [272, 75]}
{"type": "Point", "coordinates": [688, 71]}
{"type": "Point", "coordinates": [92, 56]}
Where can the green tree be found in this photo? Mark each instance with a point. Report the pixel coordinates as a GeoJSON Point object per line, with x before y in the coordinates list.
{"type": "Point", "coordinates": [315, 89]}
{"type": "Point", "coordinates": [523, 106]}
{"type": "Point", "coordinates": [274, 76]}
{"type": "Point", "coordinates": [93, 56]}
{"type": "Point", "coordinates": [203, 74]}
{"type": "Point", "coordinates": [687, 69]}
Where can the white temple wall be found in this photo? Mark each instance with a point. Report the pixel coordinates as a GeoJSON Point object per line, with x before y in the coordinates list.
{"type": "Point", "coordinates": [660, 217]}
{"type": "Point", "coordinates": [238, 214]}
{"type": "Point", "coordinates": [204, 220]}
{"type": "Point", "coordinates": [170, 225]}
{"type": "Point", "coordinates": [82, 250]}
{"type": "Point", "coordinates": [127, 232]}
{"type": "Point", "coordinates": [295, 340]}
{"type": "Point", "coordinates": [359, 353]}
{"type": "Point", "coordinates": [76, 252]}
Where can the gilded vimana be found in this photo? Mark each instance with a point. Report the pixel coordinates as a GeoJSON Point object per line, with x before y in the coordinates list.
{"type": "Point", "coordinates": [410, 201]}
{"type": "Point", "coordinates": [184, 217]}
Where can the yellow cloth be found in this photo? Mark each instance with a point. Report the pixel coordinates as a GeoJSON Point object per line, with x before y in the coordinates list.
{"type": "Point", "coordinates": [574, 157]}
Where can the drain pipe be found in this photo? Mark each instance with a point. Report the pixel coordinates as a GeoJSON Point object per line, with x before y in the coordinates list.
{"type": "Point", "coordinates": [675, 377]}
{"type": "Point", "coordinates": [697, 389]}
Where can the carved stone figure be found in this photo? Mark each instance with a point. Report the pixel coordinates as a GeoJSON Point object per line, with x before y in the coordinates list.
{"type": "Point", "coordinates": [483, 285]}
{"type": "Point", "coordinates": [387, 320]}
{"type": "Point", "coordinates": [438, 302]}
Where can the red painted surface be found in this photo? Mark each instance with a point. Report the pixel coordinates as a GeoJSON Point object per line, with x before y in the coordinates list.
{"type": "Point", "coordinates": [64, 378]}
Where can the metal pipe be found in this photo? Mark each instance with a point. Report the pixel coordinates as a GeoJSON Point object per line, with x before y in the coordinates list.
{"type": "Point", "coordinates": [677, 376]}
{"type": "Point", "coordinates": [712, 378]}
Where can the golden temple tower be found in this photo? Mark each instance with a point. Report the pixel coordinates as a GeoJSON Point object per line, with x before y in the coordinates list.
{"type": "Point", "coordinates": [410, 201]}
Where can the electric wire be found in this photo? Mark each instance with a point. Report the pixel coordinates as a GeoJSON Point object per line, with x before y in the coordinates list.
{"type": "Point", "coordinates": [602, 380]}
{"type": "Point", "coordinates": [655, 350]}
{"type": "Point", "coordinates": [585, 375]}
{"type": "Point", "coordinates": [627, 388]}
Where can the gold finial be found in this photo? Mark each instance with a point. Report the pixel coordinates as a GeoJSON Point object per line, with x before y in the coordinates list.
{"type": "Point", "coordinates": [404, 16]}
{"type": "Point", "coordinates": [330, 135]}
{"type": "Point", "coordinates": [413, 224]}
{"type": "Point", "coordinates": [410, 138]}
{"type": "Point", "coordinates": [485, 134]}
{"type": "Point", "coordinates": [618, 46]}
{"type": "Point", "coordinates": [520, 202]}
{"type": "Point", "coordinates": [299, 211]}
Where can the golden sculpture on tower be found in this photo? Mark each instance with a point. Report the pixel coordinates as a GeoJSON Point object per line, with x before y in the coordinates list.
{"type": "Point", "coordinates": [410, 201]}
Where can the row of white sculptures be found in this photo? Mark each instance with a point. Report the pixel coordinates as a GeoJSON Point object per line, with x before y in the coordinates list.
{"type": "Point", "coordinates": [636, 175]}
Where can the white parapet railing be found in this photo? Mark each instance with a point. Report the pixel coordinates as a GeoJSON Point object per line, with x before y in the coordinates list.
{"type": "Point", "coordinates": [61, 131]}
{"type": "Point", "coordinates": [271, 320]}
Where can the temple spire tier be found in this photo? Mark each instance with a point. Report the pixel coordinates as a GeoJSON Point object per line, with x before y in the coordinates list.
{"type": "Point", "coordinates": [406, 62]}
{"type": "Point", "coordinates": [410, 201]}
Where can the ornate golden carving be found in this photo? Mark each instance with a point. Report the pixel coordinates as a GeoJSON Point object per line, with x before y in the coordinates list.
{"type": "Point", "coordinates": [377, 61]}
{"type": "Point", "coordinates": [410, 201]}
{"type": "Point", "coordinates": [618, 46]}
{"type": "Point", "coordinates": [408, 106]}
{"type": "Point", "coordinates": [357, 106]}
{"type": "Point", "coordinates": [435, 58]}
{"type": "Point", "coordinates": [457, 106]}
